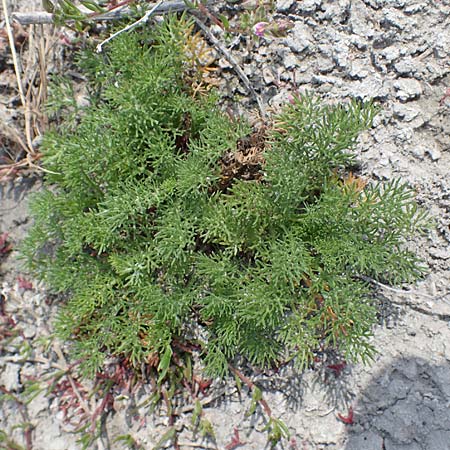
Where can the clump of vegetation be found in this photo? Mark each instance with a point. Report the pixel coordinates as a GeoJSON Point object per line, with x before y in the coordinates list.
{"type": "Point", "coordinates": [167, 223]}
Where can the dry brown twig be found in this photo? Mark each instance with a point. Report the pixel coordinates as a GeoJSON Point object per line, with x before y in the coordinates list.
{"type": "Point", "coordinates": [17, 71]}
{"type": "Point", "coordinates": [30, 69]}
{"type": "Point", "coordinates": [230, 58]}
{"type": "Point", "coordinates": [143, 19]}
{"type": "Point", "coordinates": [42, 17]}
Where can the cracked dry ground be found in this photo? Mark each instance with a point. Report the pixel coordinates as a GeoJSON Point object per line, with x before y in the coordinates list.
{"type": "Point", "coordinates": [397, 52]}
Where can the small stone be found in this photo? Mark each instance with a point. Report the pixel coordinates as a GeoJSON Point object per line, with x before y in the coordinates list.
{"type": "Point", "coordinates": [441, 48]}
{"type": "Point", "coordinates": [341, 56]}
{"type": "Point", "coordinates": [375, 4]}
{"type": "Point", "coordinates": [284, 5]}
{"type": "Point", "coordinates": [302, 78]}
{"type": "Point", "coordinates": [358, 70]}
{"type": "Point", "coordinates": [392, 19]}
{"type": "Point", "coordinates": [268, 75]}
{"type": "Point", "coordinates": [398, 389]}
{"type": "Point", "coordinates": [321, 79]}
{"type": "Point", "coordinates": [407, 89]}
{"type": "Point", "coordinates": [380, 135]}
{"type": "Point", "coordinates": [29, 331]}
{"type": "Point", "coordinates": [411, 332]}
{"type": "Point", "coordinates": [433, 72]}
{"type": "Point", "coordinates": [406, 67]}
{"type": "Point", "coordinates": [383, 161]}
{"type": "Point", "coordinates": [9, 377]}
{"type": "Point", "coordinates": [290, 61]}
{"type": "Point", "coordinates": [418, 152]}
{"type": "Point", "coordinates": [359, 42]}
{"type": "Point", "coordinates": [279, 100]}
{"type": "Point", "coordinates": [384, 174]}
{"type": "Point", "coordinates": [224, 64]}
{"type": "Point", "coordinates": [324, 65]}
{"type": "Point", "coordinates": [309, 6]}
{"type": "Point", "coordinates": [370, 88]}
{"type": "Point", "coordinates": [439, 253]}
{"type": "Point", "coordinates": [403, 136]}
{"type": "Point", "coordinates": [300, 39]}
{"type": "Point", "coordinates": [403, 112]}
{"type": "Point", "coordinates": [434, 153]}
{"type": "Point", "coordinates": [358, 20]}
{"type": "Point", "coordinates": [415, 8]}
{"type": "Point", "coordinates": [39, 404]}
{"type": "Point", "coordinates": [383, 40]}
{"type": "Point", "coordinates": [390, 53]}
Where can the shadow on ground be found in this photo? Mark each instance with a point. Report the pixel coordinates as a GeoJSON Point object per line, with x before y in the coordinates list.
{"type": "Point", "coordinates": [405, 407]}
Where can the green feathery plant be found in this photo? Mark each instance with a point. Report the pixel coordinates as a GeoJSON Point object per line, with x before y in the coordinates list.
{"type": "Point", "coordinates": [164, 221]}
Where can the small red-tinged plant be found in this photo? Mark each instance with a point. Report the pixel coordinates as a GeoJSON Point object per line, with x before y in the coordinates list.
{"type": "Point", "coordinates": [26, 426]}
{"type": "Point", "coordinates": [24, 284]}
{"type": "Point", "coordinates": [201, 385]}
{"type": "Point", "coordinates": [337, 368]}
{"type": "Point", "coordinates": [349, 420]}
{"type": "Point", "coordinates": [235, 440]}
{"type": "Point", "coordinates": [71, 394]}
{"type": "Point", "coordinates": [444, 97]}
{"type": "Point", "coordinates": [7, 323]}
{"type": "Point", "coordinates": [5, 247]}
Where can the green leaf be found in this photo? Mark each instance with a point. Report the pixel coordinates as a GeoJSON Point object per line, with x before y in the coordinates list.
{"type": "Point", "coordinates": [196, 414]}
{"type": "Point", "coordinates": [256, 397]}
{"type": "Point", "coordinates": [167, 436]}
{"type": "Point", "coordinates": [206, 429]}
{"type": "Point", "coordinates": [225, 21]}
{"type": "Point", "coordinates": [92, 5]}
{"type": "Point", "coordinates": [164, 363]}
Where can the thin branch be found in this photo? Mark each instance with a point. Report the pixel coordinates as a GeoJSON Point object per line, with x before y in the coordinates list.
{"type": "Point", "coordinates": [249, 383]}
{"type": "Point", "coordinates": [406, 291]}
{"type": "Point", "coordinates": [440, 316]}
{"type": "Point", "coordinates": [65, 365]}
{"type": "Point", "coordinates": [143, 19]}
{"type": "Point", "coordinates": [234, 63]}
{"type": "Point", "coordinates": [42, 17]}
{"type": "Point", "coordinates": [32, 18]}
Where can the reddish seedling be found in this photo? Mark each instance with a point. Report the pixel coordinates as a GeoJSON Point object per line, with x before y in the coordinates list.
{"type": "Point", "coordinates": [5, 247]}
{"type": "Point", "coordinates": [24, 283]}
{"type": "Point", "coordinates": [347, 419]}
{"type": "Point", "coordinates": [28, 427]}
{"type": "Point", "coordinates": [202, 385]}
{"type": "Point", "coordinates": [235, 441]}
{"type": "Point", "coordinates": [444, 97]}
{"type": "Point", "coordinates": [337, 368]}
